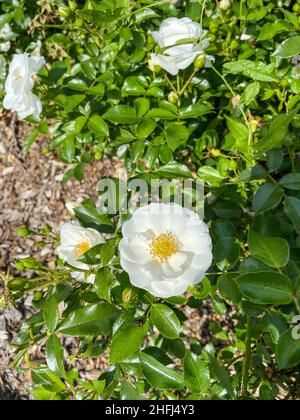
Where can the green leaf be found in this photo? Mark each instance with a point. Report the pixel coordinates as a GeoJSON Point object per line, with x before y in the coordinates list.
{"type": "Point", "coordinates": [145, 128]}
{"type": "Point", "coordinates": [162, 114]}
{"type": "Point", "coordinates": [92, 320]}
{"type": "Point", "coordinates": [129, 392]}
{"type": "Point", "coordinates": [288, 350]}
{"type": "Point", "coordinates": [68, 149]}
{"type": "Point", "coordinates": [165, 320]}
{"type": "Point", "coordinates": [274, 159]}
{"type": "Point", "coordinates": [217, 369]}
{"type": "Point", "coordinates": [142, 106]}
{"type": "Point", "coordinates": [103, 282]}
{"type": "Point", "coordinates": [229, 289]}
{"type": "Point", "coordinates": [195, 110]}
{"type": "Point", "coordinates": [266, 198]}
{"type": "Point", "coordinates": [226, 252]}
{"type": "Point", "coordinates": [98, 126]}
{"type": "Point", "coordinates": [210, 174]}
{"type": "Point", "coordinates": [127, 340]}
{"type": "Point", "coordinates": [276, 133]}
{"type": "Point", "coordinates": [29, 140]}
{"type": "Point", "coordinates": [270, 30]}
{"type": "Point", "coordinates": [91, 217]}
{"type": "Point", "coordinates": [43, 376]}
{"type": "Point", "coordinates": [250, 93]}
{"type": "Point", "coordinates": [196, 373]}
{"type": "Point", "coordinates": [55, 356]}
{"type": "Point", "coordinates": [288, 48]}
{"type": "Point", "coordinates": [71, 102]}
{"type": "Point", "coordinates": [89, 70]}
{"type": "Point", "coordinates": [121, 114]}
{"type": "Point", "coordinates": [291, 181]}
{"type": "Point", "coordinates": [159, 375]}
{"type": "Point", "coordinates": [272, 251]}
{"type": "Point", "coordinates": [292, 209]}
{"type": "Point", "coordinates": [176, 135]}
{"type": "Point", "coordinates": [133, 86]}
{"type": "Point", "coordinates": [266, 288]}
{"type": "Point", "coordinates": [50, 314]}
{"type": "Point", "coordinates": [174, 169]}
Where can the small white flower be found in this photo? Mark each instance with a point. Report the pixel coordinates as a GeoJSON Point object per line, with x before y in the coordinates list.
{"type": "Point", "coordinates": [19, 84]}
{"type": "Point", "coordinates": [178, 57]}
{"type": "Point", "coordinates": [224, 4]}
{"type": "Point", "coordinates": [165, 248]}
{"type": "Point", "coordinates": [5, 31]}
{"type": "Point", "coordinates": [75, 242]}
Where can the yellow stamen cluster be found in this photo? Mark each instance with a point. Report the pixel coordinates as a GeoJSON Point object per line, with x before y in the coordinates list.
{"type": "Point", "coordinates": [82, 248]}
{"type": "Point", "coordinates": [163, 246]}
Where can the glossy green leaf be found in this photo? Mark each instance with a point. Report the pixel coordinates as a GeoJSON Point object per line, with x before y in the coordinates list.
{"type": "Point", "coordinates": [159, 375]}
{"type": "Point", "coordinates": [127, 340]}
{"type": "Point", "coordinates": [55, 356]}
{"type": "Point", "coordinates": [272, 251]}
{"type": "Point", "coordinates": [288, 349]}
{"type": "Point", "coordinates": [266, 198]}
{"type": "Point", "coordinates": [92, 320]}
{"type": "Point", "coordinates": [196, 373]}
{"type": "Point", "coordinates": [266, 288]}
{"type": "Point", "coordinates": [165, 320]}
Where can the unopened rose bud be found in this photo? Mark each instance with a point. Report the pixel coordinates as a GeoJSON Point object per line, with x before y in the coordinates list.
{"type": "Point", "coordinates": [235, 100]}
{"type": "Point", "coordinates": [215, 152]}
{"type": "Point", "coordinates": [173, 98]}
{"type": "Point", "coordinates": [127, 294]}
{"type": "Point", "coordinates": [200, 61]}
{"type": "Point", "coordinates": [64, 11]}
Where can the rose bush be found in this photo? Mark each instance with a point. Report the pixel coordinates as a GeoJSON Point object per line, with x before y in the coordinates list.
{"type": "Point", "coordinates": [197, 90]}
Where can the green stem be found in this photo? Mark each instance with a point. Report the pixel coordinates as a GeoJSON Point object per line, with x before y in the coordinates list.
{"type": "Point", "coordinates": [247, 358]}
{"type": "Point", "coordinates": [188, 82]}
{"type": "Point", "coordinates": [296, 302]}
{"type": "Point", "coordinates": [292, 157]}
{"type": "Point", "coordinates": [170, 83]}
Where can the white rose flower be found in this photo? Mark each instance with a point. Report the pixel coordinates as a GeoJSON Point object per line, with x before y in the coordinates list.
{"type": "Point", "coordinates": [75, 242]}
{"type": "Point", "coordinates": [165, 248]}
{"type": "Point", "coordinates": [178, 57]}
{"type": "Point", "coordinates": [19, 83]}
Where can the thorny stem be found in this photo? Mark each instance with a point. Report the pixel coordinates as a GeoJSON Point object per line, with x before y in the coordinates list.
{"type": "Point", "coordinates": [247, 358]}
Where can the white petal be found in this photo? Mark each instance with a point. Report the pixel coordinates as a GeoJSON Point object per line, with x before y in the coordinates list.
{"type": "Point", "coordinates": [177, 260]}
{"type": "Point", "coordinates": [165, 62]}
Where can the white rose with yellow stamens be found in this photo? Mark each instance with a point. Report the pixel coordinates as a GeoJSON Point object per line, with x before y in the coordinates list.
{"type": "Point", "coordinates": [75, 241]}
{"type": "Point", "coordinates": [165, 248]}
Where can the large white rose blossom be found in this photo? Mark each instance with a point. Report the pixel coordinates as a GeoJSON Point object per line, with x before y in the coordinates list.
{"type": "Point", "coordinates": [176, 56]}
{"type": "Point", "coordinates": [19, 84]}
{"type": "Point", "coordinates": [75, 241]}
{"type": "Point", "coordinates": [165, 248]}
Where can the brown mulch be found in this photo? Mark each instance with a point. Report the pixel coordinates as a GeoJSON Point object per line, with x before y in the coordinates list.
{"type": "Point", "coordinates": [32, 194]}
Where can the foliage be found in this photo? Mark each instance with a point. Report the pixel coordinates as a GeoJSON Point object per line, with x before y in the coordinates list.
{"type": "Point", "coordinates": [234, 125]}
